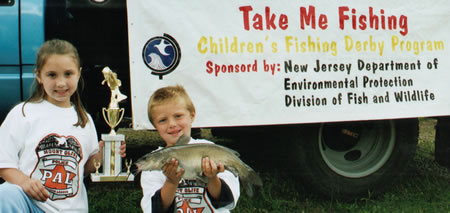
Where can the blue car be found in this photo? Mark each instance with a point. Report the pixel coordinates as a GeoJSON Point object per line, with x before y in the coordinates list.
{"type": "Point", "coordinates": [21, 34]}
{"type": "Point", "coordinates": [98, 30]}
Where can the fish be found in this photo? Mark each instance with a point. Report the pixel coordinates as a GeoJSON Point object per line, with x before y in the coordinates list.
{"type": "Point", "coordinates": [190, 158]}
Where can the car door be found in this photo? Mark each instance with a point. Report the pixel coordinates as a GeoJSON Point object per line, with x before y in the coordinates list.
{"type": "Point", "coordinates": [21, 34]}
{"type": "Point", "coordinates": [10, 88]}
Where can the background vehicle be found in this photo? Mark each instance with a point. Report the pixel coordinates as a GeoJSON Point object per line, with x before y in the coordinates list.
{"type": "Point", "coordinates": [345, 158]}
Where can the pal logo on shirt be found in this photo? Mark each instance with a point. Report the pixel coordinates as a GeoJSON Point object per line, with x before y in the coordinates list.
{"type": "Point", "coordinates": [57, 166]}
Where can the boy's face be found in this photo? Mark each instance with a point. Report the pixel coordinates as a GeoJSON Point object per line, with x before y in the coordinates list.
{"type": "Point", "coordinates": [172, 120]}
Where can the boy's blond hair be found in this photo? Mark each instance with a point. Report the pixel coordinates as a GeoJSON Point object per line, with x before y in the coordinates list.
{"type": "Point", "coordinates": [169, 94]}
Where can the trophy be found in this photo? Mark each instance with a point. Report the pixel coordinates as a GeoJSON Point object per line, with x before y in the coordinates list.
{"type": "Point", "coordinates": [112, 161]}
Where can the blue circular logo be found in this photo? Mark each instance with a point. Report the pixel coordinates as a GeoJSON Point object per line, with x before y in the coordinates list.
{"type": "Point", "coordinates": [162, 55]}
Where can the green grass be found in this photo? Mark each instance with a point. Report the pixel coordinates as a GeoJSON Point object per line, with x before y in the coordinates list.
{"type": "Point", "coordinates": [426, 189]}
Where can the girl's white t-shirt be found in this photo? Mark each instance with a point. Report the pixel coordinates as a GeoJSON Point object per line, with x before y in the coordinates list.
{"type": "Point", "coordinates": [43, 143]}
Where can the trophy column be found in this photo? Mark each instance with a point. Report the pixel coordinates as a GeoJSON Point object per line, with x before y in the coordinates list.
{"type": "Point", "coordinates": [112, 161]}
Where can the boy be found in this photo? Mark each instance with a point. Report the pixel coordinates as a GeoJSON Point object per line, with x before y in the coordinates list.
{"type": "Point", "coordinates": [172, 112]}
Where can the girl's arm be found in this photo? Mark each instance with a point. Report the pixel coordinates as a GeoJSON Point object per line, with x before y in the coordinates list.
{"type": "Point", "coordinates": [98, 157]}
{"type": "Point", "coordinates": [32, 187]}
{"type": "Point", "coordinates": [89, 167]}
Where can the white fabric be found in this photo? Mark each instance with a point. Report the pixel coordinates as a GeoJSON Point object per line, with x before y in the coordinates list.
{"type": "Point", "coordinates": [46, 145]}
{"type": "Point", "coordinates": [152, 181]}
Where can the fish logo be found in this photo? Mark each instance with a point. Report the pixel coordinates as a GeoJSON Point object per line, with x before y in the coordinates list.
{"type": "Point", "coordinates": [162, 55]}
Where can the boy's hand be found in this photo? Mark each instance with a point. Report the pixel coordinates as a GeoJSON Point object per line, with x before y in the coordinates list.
{"type": "Point", "coordinates": [123, 148]}
{"type": "Point", "coordinates": [34, 189]}
{"type": "Point", "coordinates": [210, 169]}
{"type": "Point", "coordinates": [170, 171]}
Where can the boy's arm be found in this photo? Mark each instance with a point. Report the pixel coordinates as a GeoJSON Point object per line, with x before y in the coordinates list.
{"type": "Point", "coordinates": [210, 170]}
{"type": "Point", "coordinates": [214, 187]}
{"type": "Point", "coordinates": [218, 190]}
{"type": "Point", "coordinates": [226, 196]}
{"type": "Point", "coordinates": [171, 184]}
{"type": "Point", "coordinates": [168, 195]}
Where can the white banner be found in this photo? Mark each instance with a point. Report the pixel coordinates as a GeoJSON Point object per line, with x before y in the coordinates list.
{"type": "Point", "coordinates": [283, 62]}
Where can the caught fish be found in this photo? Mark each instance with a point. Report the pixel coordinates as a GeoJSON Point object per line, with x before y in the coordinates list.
{"type": "Point", "coordinates": [190, 157]}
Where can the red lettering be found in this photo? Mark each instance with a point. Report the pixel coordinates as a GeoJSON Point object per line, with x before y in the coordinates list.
{"type": "Point", "coordinates": [245, 10]}
{"type": "Point", "coordinates": [372, 20]}
{"type": "Point", "coordinates": [342, 16]}
{"type": "Point", "coordinates": [258, 22]}
{"type": "Point", "coordinates": [268, 21]}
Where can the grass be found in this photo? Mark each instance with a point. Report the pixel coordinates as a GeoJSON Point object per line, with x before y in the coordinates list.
{"type": "Point", "coordinates": [427, 189]}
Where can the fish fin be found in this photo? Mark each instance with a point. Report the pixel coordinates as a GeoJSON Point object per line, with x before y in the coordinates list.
{"type": "Point", "coordinates": [235, 153]}
{"type": "Point", "coordinates": [230, 150]}
{"type": "Point", "coordinates": [183, 140]}
{"type": "Point", "coordinates": [232, 170]}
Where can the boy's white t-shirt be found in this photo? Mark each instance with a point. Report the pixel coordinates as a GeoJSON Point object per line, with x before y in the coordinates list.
{"type": "Point", "coordinates": [45, 145]}
{"type": "Point", "coordinates": [189, 195]}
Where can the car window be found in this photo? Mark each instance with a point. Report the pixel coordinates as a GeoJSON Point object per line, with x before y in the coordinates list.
{"type": "Point", "coordinates": [6, 2]}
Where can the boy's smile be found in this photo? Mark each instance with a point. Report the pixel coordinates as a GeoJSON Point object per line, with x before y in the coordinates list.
{"type": "Point", "coordinates": [172, 119]}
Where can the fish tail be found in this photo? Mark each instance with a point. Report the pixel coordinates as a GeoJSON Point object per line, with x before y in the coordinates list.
{"type": "Point", "coordinates": [252, 178]}
{"type": "Point", "coordinates": [247, 187]}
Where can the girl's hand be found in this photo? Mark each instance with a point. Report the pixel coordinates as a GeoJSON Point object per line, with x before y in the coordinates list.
{"type": "Point", "coordinates": [210, 169]}
{"type": "Point", "coordinates": [101, 145]}
{"type": "Point", "coordinates": [34, 189]}
{"type": "Point", "coordinates": [170, 171]}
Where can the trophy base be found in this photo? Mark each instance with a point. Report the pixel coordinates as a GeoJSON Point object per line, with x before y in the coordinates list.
{"type": "Point", "coordinates": [121, 177]}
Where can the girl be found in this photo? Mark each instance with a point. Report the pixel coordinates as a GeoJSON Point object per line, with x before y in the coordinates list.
{"type": "Point", "coordinates": [49, 142]}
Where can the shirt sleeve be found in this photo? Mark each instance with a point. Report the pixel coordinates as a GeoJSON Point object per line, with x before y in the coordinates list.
{"type": "Point", "coordinates": [151, 183]}
{"type": "Point", "coordinates": [226, 196]}
{"type": "Point", "coordinates": [11, 142]}
{"type": "Point", "coordinates": [157, 203]}
{"type": "Point", "coordinates": [231, 192]}
{"type": "Point", "coordinates": [93, 140]}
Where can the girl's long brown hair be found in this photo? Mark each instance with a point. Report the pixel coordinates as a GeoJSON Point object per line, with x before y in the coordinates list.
{"type": "Point", "coordinates": [59, 47]}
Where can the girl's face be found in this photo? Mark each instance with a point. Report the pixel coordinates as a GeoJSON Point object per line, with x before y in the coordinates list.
{"type": "Point", "coordinates": [172, 120]}
{"type": "Point", "coordinates": [59, 77]}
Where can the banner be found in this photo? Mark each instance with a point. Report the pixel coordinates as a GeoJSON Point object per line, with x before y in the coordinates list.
{"type": "Point", "coordinates": [288, 62]}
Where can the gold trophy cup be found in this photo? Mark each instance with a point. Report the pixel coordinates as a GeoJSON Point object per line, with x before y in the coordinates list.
{"type": "Point", "coordinates": [113, 118]}
{"type": "Point", "coordinates": [112, 161]}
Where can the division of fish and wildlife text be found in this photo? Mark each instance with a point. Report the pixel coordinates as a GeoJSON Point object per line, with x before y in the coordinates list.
{"type": "Point", "coordinates": [316, 84]}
